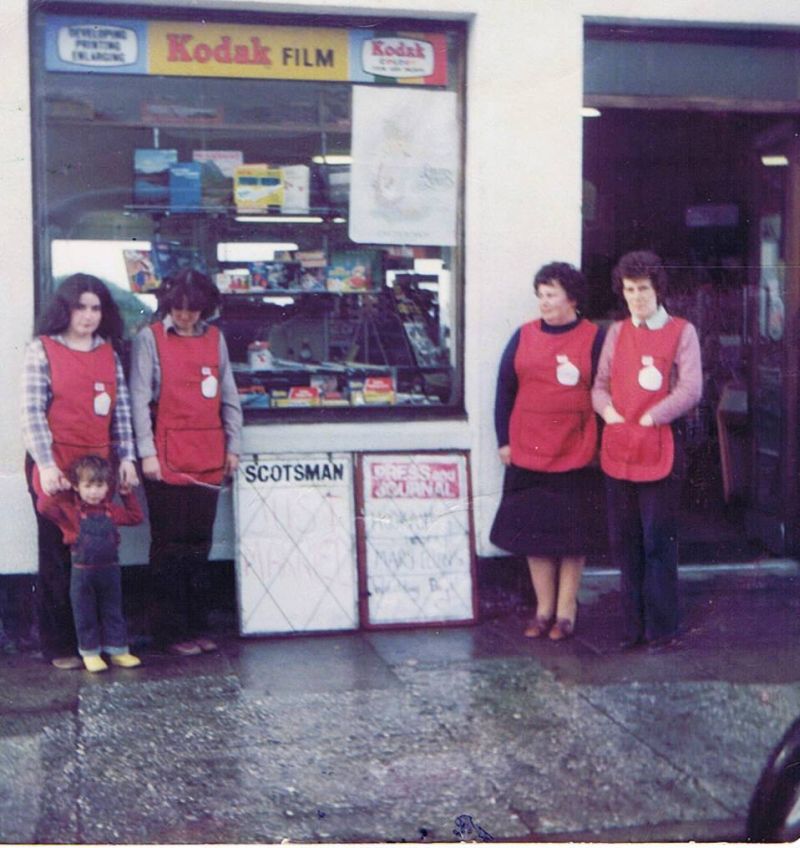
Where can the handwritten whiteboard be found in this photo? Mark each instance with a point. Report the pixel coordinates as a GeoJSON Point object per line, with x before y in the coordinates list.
{"type": "Point", "coordinates": [417, 548]}
{"type": "Point", "coordinates": [296, 551]}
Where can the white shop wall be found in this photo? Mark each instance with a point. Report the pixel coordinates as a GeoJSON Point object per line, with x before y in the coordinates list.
{"type": "Point", "coordinates": [523, 176]}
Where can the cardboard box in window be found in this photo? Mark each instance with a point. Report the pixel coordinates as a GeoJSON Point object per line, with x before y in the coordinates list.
{"type": "Point", "coordinates": [151, 175]}
{"type": "Point", "coordinates": [184, 187]}
{"type": "Point", "coordinates": [379, 390]}
{"type": "Point", "coordinates": [274, 276]}
{"type": "Point", "coordinates": [257, 188]}
{"type": "Point", "coordinates": [351, 271]}
{"type": "Point", "coordinates": [296, 189]}
{"type": "Point", "coordinates": [218, 168]}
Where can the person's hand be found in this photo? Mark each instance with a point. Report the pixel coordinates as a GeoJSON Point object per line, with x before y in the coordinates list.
{"type": "Point", "coordinates": [128, 478]}
{"type": "Point", "coordinates": [151, 468]}
{"type": "Point", "coordinates": [53, 480]}
{"type": "Point", "coordinates": [231, 464]}
{"type": "Point", "coordinates": [611, 416]}
{"type": "Point", "coordinates": [647, 420]}
{"type": "Point", "coordinates": [505, 454]}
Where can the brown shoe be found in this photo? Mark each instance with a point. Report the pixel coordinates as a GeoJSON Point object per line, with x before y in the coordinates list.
{"type": "Point", "coordinates": [185, 649]}
{"type": "Point", "coordinates": [538, 627]}
{"type": "Point", "coordinates": [206, 645]}
{"type": "Point", "coordinates": [67, 663]}
{"type": "Point", "coordinates": [562, 629]}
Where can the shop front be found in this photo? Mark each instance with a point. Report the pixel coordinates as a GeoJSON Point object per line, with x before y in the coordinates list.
{"type": "Point", "coordinates": [372, 186]}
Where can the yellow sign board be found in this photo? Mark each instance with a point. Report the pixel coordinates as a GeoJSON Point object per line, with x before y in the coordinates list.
{"type": "Point", "coordinates": [182, 48]}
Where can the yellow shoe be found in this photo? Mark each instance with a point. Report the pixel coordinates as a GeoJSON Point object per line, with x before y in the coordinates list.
{"type": "Point", "coordinates": [94, 663]}
{"type": "Point", "coordinates": [125, 660]}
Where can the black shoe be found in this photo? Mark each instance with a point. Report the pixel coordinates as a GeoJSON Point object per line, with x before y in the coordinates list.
{"type": "Point", "coordinates": [662, 644]}
{"type": "Point", "coordinates": [631, 644]}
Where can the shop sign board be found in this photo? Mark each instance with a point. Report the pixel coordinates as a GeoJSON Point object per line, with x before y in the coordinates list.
{"type": "Point", "coordinates": [185, 48]}
{"type": "Point", "coordinates": [296, 550]}
{"type": "Point", "coordinates": [417, 560]}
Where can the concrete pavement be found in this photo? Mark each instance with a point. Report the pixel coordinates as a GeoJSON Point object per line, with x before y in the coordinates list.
{"type": "Point", "coordinates": [392, 736]}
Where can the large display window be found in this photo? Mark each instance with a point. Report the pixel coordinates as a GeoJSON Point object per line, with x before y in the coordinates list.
{"type": "Point", "coordinates": [312, 167]}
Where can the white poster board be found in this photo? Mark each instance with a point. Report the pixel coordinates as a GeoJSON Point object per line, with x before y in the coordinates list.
{"type": "Point", "coordinates": [404, 176]}
{"type": "Point", "coordinates": [296, 553]}
{"type": "Point", "coordinates": [417, 549]}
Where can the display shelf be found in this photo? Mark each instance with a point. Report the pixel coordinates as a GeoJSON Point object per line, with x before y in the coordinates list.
{"type": "Point", "coordinates": [329, 214]}
{"type": "Point", "coordinates": [211, 126]}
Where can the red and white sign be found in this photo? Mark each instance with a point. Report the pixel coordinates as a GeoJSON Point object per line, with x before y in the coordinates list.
{"type": "Point", "coordinates": [401, 58]}
{"type": "Point", "coordinates": [424, 480]}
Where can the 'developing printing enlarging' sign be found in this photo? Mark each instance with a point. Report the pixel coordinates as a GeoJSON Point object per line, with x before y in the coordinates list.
{"type": "Point", "coordinates": [417, 548]}
{"type": "Point", "coordinates": [296, 548]}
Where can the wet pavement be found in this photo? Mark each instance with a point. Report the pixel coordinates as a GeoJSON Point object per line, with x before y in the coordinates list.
{"type": "Point", "coordinates": [390, 736]}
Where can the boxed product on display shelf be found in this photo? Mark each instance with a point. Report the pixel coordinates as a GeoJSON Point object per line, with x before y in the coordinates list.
{"type": "Point", "coordinates": [140, 270]}
{"type": "Point", "coordinates": [351, 271]}
{"type": "Point", "coordinates": [274, 276]}
{"type": "Point", "coordinates": [184, 187]}
{"type": "Point", "coordinates": [296, 189]}
{"type": "Point", "coordinates": [297, 396]}
{"type": "Point", "coordinates": [233, 280]}
{"type": "Point", "coordinates": [151, 175]}
{"type": "Point", "coordinates": [169, 257]}
{"type": "Point", "coordinates": [257, 187]}
{"type": "Point", "coordinates": [379, 390]}
{"type": "Point", "coordinates": [217, 171]}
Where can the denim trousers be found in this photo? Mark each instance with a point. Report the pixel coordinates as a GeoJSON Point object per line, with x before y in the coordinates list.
{"type": "Point", "coordinates": [96, 594]}
{"type": "Point", "coordinates": [643, 537]}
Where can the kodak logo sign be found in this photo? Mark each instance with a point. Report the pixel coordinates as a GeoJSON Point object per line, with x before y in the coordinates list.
{"type": "Point", "coordinates": [184, 47]}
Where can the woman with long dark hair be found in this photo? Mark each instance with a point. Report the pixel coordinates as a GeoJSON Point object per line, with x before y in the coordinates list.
{"type": "Point", "coordinates": [74, 402]}
{"type": "Point", "coordinates": [188, 421]}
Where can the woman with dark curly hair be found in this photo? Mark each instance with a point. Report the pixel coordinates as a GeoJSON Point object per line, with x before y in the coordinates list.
{"type": "Point", "coordinates": [74, 402]}
{"type": "Point", "coordinates": [649, 376]}
{"type": "Point", "coordinates": [188, 420]}
{"type": "Point", "coordinates": [547, 437]}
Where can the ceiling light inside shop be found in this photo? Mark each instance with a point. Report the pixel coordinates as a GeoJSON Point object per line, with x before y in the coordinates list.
{"type": "Point", "coordinates": [590, 112]}
{"type": "Point", "coordinates": [332, 159]}
{"type": "Point", "coordinates": [251, 251]}
{"type": "Point", "coordinates": [774, 161]}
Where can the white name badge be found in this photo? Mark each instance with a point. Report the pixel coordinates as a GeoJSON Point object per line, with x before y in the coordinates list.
{"type": "Point", "coordinates": [102, 403]}
{"type": "Point", "coordinates": [567, 373]}
{"type": "Point", "coordinates": [650, 378]}
{"type": "Point", "coordinates": [209, 384]}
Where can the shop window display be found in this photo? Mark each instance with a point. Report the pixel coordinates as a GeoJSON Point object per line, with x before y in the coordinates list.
{"type": "Point", "coordinates": [345, 294]}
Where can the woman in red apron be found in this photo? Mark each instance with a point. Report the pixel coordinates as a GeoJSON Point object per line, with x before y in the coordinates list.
{"type": "Point", "coordinates": [75, 402]}
{"type": "Point", "coordinates": [547, 433]}
{"type": "Point", "coordinates": [649, 376]}
{"type": "Point", "coordinates": [188, 420]}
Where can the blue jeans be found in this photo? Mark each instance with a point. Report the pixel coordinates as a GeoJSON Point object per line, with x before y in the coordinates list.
{"type": "Point", "coordinates": [96, 595]}
{"type": "Point", "coordinates": [643, 537]}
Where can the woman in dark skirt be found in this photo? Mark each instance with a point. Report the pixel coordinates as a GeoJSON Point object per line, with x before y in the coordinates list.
{"type": "Point", "coordinates": [547, 433]}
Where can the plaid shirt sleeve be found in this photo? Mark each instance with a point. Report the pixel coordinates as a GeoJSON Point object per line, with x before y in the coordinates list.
{"type": "Point", "coordinates": [121, 426]}
{"type": "Point", "coordinates": [36, 397]}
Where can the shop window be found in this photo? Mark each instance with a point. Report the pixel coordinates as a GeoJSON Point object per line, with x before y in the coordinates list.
{"type": "Point", "coordinates": [288, 158]}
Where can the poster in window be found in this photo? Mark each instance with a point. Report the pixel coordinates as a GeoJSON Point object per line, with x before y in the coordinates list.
{"type": "Point", "coordinates": [404, 176]}
{"type": "Point", "coordinates": [416, 545]}
{"type": "Point", "coordinates": [296, 553]}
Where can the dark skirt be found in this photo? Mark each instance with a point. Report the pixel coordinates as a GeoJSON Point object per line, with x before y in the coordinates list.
{"type": "Point", "coordinates": [549, 513]}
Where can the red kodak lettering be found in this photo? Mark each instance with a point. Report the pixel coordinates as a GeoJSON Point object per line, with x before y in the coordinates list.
{"type": "Point", "coordinates": [177, 51]}
{"type": "Point", "coordinates": [225, 51]}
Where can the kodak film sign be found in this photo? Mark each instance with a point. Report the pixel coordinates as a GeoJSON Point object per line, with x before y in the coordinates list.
{"type": "Point", "coordinates": [189, 49]}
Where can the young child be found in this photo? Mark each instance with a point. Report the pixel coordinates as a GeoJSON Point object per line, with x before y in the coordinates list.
{"type": "Point", "coordinates": [89, 520]}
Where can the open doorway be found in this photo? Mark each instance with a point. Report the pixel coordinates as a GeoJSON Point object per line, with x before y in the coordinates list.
{"type": "Point", "coordinates": [690, 186]}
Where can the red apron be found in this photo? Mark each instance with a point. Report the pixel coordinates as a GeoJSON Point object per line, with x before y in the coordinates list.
{"type": "Point", "coordinates": [84, 389]}
{"type": "Point", "coordinates": [553, 427]}
{"type": "Point", "coordinates": [190, 440]}
{"type": "Point", "coordinates": [640, 376]}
